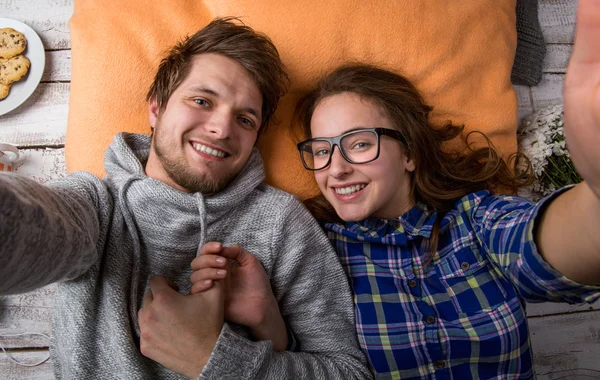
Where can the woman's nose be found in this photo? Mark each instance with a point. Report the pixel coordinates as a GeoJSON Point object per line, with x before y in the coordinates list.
{"type": "Point", "coordinates": [339, 167]}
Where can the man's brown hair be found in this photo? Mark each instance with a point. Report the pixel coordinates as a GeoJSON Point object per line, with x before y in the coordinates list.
{"type": "Point", "coordinates": [230, 38]}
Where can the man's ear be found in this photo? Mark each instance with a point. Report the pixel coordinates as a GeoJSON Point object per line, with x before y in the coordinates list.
{"type": "Point", "coordinates": [153, 111]}
{"type": "Point", "coordinates": [258, 134]}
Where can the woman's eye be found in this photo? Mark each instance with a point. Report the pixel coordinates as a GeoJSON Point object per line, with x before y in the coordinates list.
{"type": "Point", "coordinates": [202, 102]}
{"type": "Point", "coordinates": [322, 152]}
{"type": "Point", "coordinates": [361, 145]}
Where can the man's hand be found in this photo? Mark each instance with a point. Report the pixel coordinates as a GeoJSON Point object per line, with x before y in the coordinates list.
{"type": "Point", "coordinates": [179, 331]}
{"type": "Point", "coordinates": [582, 95]}
{"type": "Point", "coordinates": [249, 300]}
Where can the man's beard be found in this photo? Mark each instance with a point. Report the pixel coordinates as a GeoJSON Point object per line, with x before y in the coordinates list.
{"type": "Point", "coordinates": [180, 172]}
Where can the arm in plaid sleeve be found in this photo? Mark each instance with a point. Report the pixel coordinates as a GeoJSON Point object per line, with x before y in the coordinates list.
{"type": "Point", "coordinates": [567, 234]}
{"type": "Point", "coordinates": [568, 231]}
{"type": "Point", "coordinates": [506, 228]}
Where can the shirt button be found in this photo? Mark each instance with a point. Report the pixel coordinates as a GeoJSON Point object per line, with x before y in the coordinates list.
{"type": "Point", "coordinates": [465, 266]}
{"type": "Point", "coordinates": [439, 364]}
{"type": "Point", "coordinates": [412, 283]}
{"type": "Point", "coordinates": [430, 320]}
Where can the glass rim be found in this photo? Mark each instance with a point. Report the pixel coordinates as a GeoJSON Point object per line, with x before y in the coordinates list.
{"type": "Point", "coordinates": [332, 143]}
{"type": "Point", "coordinates": [336, 141]}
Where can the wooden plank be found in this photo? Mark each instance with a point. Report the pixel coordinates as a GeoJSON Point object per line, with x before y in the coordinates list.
{"type": "Point", "coordinates": [551, 308]}
{"type": "Point", "coordinates": [524, 97]}
{"type": "Point", "coordinates": [25, 326]}
{"type": "Point", "coordinates": [43, 298]}
{"type": "Point", "coordinates": [58, 66]}
{"type": "Point", "coordinates": [549, 91]}
{"type": "Point", "coordinates": [21, 323]}
{"type": "Point", "coordinates": [49, 18]}
{"type": "Point", "coordinates": [573, 374]}
{"type": "Point", "coordinates": [42, 164]}
{"type": "Point", "coordinates": [41, 120]}
{"type": "Point", "coordinates": [10, 370]}
{"type": "Point", "coordinates": [23, 316]}
{"type": "Point", "coordinates": [557, 58]}
{"type": "Point", "coordinates": [557, 20]}
{"type": "Point", "coordinates": [566, 346]}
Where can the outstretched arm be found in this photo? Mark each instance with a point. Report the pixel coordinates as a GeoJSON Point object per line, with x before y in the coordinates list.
{"type": "Point", "coordinates": [47, 233]}
{"type": "Point", "coordinates": [568, 235]}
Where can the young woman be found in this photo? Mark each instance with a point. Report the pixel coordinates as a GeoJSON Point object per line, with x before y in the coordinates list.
{"type": "Point", "coordinates": [440, 266]}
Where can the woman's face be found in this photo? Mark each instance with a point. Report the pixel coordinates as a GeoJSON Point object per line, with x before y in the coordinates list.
{"type": "Point", "coordinates": [379, 188]}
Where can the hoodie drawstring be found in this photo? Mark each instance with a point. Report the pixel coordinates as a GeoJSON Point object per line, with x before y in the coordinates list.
{"type": "Point", "coordinates": [202, 212]}
{"type": "Point", "coordinates": [136, 252]}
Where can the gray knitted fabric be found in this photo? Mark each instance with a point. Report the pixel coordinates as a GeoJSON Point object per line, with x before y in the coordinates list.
{"type": "Point", "coordinates": [105, 238]}
{"type": "Point", "coordinates": [531, 48]}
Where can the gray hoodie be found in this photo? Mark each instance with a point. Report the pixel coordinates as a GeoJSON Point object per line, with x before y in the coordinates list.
{"type": "Point", "coordinates": [103, 240]}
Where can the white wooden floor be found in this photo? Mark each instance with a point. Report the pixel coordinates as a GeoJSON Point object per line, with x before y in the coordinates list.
{"type": "Point", "coordinates": [566, 339]}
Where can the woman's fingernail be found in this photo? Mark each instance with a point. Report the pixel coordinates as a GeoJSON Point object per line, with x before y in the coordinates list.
{"type": "Point", "coordinates": [220, 260]}
{"type": "Point", "coordinates": [206, 282]}
{"type": "Point", "coordinates": [221, 272]}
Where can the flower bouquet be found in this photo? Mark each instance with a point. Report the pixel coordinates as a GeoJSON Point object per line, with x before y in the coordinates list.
{"type": "Point", "coordinates": [541, 137]}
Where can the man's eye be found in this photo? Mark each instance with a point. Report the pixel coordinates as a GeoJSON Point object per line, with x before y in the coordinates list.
{"type": "Point", "coordinates": [202, 102]}
{"type": "Point", "coordinates": [246, 121]}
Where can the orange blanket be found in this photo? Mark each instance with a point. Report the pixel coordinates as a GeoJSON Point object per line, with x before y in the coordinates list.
{"type": "Point", "coordinates": [459, 53]}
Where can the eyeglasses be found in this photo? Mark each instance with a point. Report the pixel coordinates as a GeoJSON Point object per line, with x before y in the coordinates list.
{"type": "Point", "coordinates": [357, 147]}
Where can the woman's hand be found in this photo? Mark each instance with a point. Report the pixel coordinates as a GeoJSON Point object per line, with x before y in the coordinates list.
{"type": "Point", "coordinates": [582, 95]}
{"type": "Point", "coordinates": [249, 300]}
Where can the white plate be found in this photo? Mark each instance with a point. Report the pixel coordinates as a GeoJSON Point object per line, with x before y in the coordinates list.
{"type": "Point", "coordinates": [21, 90]}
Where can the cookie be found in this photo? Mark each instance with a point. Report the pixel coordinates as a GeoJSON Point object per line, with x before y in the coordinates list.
{"type": "Point", "coordinates": [4, 89]}
{"type": "Point", "coordinates": [13, 69]}
{"type": "Point", "coordinates": [12, 43]}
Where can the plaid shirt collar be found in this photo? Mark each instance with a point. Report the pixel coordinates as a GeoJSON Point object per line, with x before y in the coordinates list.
{"type": "Point", "coordinates": [415, 223]}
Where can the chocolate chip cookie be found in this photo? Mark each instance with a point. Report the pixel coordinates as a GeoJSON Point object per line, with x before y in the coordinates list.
{"type": "Point", "coordinates": [12, 43]}
{"type": "Point", "coordinates": [13, 69]}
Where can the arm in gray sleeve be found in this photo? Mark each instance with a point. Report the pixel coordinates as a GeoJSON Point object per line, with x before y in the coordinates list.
{"type": "Point", "coordinates": [315, 300]}
{"type": "Point", "coordinates": [47, 233]}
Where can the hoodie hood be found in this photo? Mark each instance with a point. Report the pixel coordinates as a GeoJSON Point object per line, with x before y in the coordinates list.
{"type": "Point", "coordinates": [167, 226]}
{"type": "Point", "coordinates": [126, 158]}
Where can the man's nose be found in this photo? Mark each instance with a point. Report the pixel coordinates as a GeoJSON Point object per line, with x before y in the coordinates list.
{"type": "Point", "coordinates": [220, 124]}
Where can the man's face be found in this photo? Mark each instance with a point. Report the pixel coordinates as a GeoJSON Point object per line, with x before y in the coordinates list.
{"type": "Point", "coordinates": [205, 134]}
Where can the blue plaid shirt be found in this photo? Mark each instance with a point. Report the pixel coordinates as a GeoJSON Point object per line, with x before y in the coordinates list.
{"type": "Point", "coordinates": [463, 315]}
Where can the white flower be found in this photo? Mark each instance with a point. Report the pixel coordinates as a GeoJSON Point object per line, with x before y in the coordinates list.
{"type": "Point", "coordinates": [541, 136]}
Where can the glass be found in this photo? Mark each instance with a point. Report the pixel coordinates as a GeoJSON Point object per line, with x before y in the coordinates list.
{"type": "Point", "coordinates": [357, 147]}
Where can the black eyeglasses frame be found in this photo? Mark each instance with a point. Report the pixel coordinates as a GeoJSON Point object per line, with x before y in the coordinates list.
{"type": "Point", "coordinates": [336, 141]}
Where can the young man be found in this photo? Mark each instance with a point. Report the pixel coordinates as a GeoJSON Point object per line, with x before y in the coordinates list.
{"type": "Point", "coordinates": [131, 237]}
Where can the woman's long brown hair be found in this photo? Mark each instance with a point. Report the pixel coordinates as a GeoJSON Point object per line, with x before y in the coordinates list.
{"type": "Point", "coordinates": [441, 176]}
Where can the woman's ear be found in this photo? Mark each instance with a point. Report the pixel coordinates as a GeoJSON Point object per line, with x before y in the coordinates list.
{"type": "Point", "coordinates": [409, 163]}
